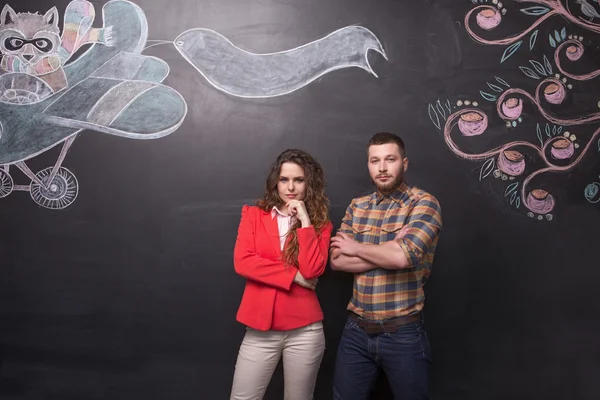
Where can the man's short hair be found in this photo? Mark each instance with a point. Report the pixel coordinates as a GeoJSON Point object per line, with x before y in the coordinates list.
{"type": "Point", "coordinates": [385, 138]}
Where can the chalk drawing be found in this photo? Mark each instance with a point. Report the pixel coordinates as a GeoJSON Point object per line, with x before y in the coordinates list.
{"type": "Point", "coordinates": [46, 100]}
{"type": "Point", "coordinates": [48, 97]}
{"type": "Point", "coordinates": [517, 163]}
{"type": "Point", "coordinates": [592, 192]}
{"type": "Point", "coordinates": [244, 74]}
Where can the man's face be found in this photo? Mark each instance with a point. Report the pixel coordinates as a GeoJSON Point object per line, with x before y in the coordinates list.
{"type": "Point", "coordinates": [386, 166]}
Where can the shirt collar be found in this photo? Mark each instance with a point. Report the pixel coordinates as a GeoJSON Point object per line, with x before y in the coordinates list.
{"type": "Point", "coordinates": [400, 195]}
{"type": "Point", "coordinates": [275, 211]}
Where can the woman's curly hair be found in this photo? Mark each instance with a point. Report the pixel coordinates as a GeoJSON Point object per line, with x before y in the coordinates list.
{"type": "Point", "coordinates": [315, 199]}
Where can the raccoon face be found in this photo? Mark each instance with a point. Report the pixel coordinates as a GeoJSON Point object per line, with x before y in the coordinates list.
{"type": "Point", "coordinates": [30, 37]}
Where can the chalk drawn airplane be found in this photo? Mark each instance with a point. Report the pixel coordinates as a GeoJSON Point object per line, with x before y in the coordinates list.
{"type": "Point", "coordinates": [47, 96]}
{"type": "Point", "coordinates": [112, 88]}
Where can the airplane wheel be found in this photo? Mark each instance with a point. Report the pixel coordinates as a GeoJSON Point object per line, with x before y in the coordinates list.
{"type": "Point", "coordinates": [58, 194]}
{"type": "Point", "coordinates": [6, 184]}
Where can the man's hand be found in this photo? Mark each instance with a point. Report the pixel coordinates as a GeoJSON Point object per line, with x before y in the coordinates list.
{"type": "Point", "coordinates": [298, 209]}
{"type": "Point", "coordinates": [346, 245]}
{"type": "Point", "coordinates": [307, 283]}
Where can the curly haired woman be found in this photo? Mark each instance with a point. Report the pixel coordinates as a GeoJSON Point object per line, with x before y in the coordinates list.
{"type": "Point", "coordinates": [281, 249]}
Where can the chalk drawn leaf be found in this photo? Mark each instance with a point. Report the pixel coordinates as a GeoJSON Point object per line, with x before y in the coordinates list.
{"type": "Point", "coordinates": [539, 134]}
{"type": "Point", "coordinates": [448, 106]}
{"type": "Point", "coordinates": [557, 36]}
{"type": "Point", "coordinates": [535, 10]}
{"type": "Point", "coordinates": [513, 197]}
{"type": "Point", "coordinates": [558, 130]}
{"type": "Point", "coordinates": [502, 81]}
{"type": "Point", "coordinates": [487, 96]}
{"type": "Point", "coordinates": [532, 39]}
{"type": "Point", "coordinates": [495, 88]}
{"type": "Point", "coordinates": [510, 50]}
{"type": "Point", "coordinates": [487, 168]}
{"type": "Point", "coordinates": [552, 42]}
{"type": "Point", "coordinates": [434, 117]}
{"type": "Point", "coordinates": [554, 130]}
{"type": "Point", "coordinates": [548, 130]}
{"type": "Point", "coordinates": [538, 67]}
{"type": "Point", "coordinates": [511, 188]}
{"type": "Point", "coordinates": [518, 202]}
{"type": "Point", "coordinates": [440, 110]}
{"type": "Point", "coordinates": [563, 33]}
{"type": "Point", "coordinates": [548, 65]}
{"type": "Point", "coordinates": [598, 144]}
{"type": "Point", "coordinates": [529, 72]}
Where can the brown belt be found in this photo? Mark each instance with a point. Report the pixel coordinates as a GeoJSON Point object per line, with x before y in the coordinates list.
{"type": "Point", "coordinates": [387, 325]}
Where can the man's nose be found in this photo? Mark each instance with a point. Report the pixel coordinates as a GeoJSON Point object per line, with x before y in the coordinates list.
{"type": "Point", "coordinates": [28, 57]}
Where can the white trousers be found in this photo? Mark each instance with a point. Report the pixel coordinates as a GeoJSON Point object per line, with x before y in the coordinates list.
{"type": "Point", "coordinates": [302, 350]}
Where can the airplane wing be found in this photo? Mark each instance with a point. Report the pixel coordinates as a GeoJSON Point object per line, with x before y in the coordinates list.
{"type": "Point", "coordinates": [130, 66]}
{"type": "Point", "coordinates": [130, 108]}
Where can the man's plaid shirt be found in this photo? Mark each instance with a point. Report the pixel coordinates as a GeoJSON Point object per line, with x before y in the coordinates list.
{"type": "Point", "coordinates": [380, 293]}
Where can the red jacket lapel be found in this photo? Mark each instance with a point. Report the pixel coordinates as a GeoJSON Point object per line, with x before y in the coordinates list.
{"type": "Point", "coordinates": [272, 230]}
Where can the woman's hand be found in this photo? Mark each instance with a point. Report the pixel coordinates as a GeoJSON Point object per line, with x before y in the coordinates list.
{"type": "Point", "coordinates": [307, 283]}
{"type": "Point", "coordinates": [298, 209]}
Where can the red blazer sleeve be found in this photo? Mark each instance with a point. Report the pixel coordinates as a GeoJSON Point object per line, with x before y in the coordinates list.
{"type": "Point", "coordinates": [313, 250]}
{"type": "Point", "coordinates": [250, 265]}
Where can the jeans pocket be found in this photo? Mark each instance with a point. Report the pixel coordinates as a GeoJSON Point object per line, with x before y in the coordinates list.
{"type": "Point", "coordinates": [409, 334]}
{"type": "Point", "coordinates": [350, 323]}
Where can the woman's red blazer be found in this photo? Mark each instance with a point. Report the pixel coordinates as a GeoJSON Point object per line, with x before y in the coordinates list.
{"type": "Point", "coordinates": [271, 300]}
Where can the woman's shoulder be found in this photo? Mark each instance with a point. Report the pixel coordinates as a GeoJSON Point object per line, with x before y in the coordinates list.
{"type": "Point", "coordinates": [248, 209]}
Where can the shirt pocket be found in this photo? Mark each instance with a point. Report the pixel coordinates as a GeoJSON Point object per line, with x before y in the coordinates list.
{"type": "Point", "coordinates": [391, 229]}
{"type": "Point", "coordinates": [363, 232]}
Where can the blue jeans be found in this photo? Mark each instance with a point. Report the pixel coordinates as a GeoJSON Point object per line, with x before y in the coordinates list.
{"type": "Point", "coordinates": [403, 355]}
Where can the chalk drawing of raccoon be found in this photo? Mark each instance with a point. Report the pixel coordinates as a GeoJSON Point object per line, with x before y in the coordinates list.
{"type": "Point", "coordinates": [31, 43]}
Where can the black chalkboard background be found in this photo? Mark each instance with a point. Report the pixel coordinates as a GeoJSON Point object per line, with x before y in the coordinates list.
{"type": "Point", "coordinates": [130, 292]}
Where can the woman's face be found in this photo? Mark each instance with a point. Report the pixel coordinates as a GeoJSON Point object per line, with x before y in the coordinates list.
{"type": "Point", "coordinates": [292, 183]}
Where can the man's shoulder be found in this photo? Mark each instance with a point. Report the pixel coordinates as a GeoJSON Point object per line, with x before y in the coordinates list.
{"type": "Point", "coordinates": [417, 194]}
{"type": "Point", "coordinates": [362, 201]}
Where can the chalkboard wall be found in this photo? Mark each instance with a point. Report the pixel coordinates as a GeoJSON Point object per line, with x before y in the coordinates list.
{"type": "Point", "coordinates": [125, 163]}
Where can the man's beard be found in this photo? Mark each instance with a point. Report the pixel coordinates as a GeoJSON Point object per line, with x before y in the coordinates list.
{"type": "Point", "coordinates": [390, 186]}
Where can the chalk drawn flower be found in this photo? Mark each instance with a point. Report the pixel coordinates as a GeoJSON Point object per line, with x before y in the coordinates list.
{"type": "Point", "coordinates": [489, 18]}
{"type": "Point", "coordinates": [540, 201]}
{"type": "Point", "coordinates": [574, 52]}
{"type": "Point", "coordinates": [592, 192]}
{"type": "Point", "coordinates": [472, 123]}
{"type": "Point", "coordinates": [554, 93]}
{"type": "Point", "coordinates": [512, 108]}
{"type": "Point", "coordinates": [511, 162]}
{"type": "Point", "coordinates": [562, 149]}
